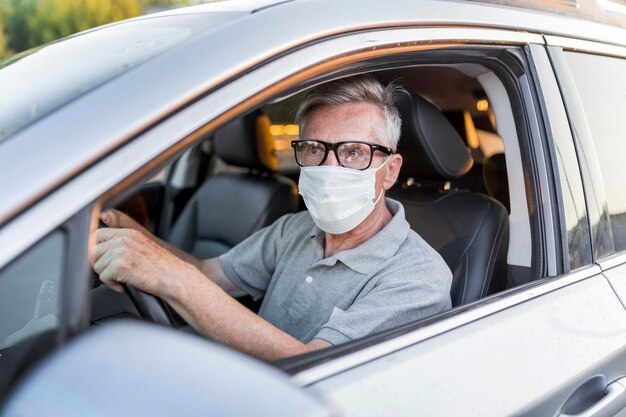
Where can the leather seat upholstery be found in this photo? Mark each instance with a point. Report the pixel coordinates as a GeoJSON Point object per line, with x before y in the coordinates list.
{"type": "Point", "coordinates": [230, 206]}
{"type": "Point", "coordinates": [468, 229]}
{"type": "Point", "coordinates": [496, 179]}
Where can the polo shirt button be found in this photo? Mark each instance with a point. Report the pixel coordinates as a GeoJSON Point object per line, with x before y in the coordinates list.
{"type": "Point", "coordinates": [309, 279]}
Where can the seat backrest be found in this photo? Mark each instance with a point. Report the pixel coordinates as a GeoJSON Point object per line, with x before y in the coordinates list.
{"type": "Point", "coordinates": [495, 177]}
{"type": "Point", "coordinates": [230, 206]}
{"type": "Point", "coordinates": [468, 229]}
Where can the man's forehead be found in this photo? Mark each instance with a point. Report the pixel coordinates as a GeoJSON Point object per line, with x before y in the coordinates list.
{"type": "Point", "coordinates": [333, 123]}
{"type": "Point", "coordinates": [358, 109]}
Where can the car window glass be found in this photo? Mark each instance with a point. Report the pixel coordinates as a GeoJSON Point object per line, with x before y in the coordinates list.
{"type": "Point", "coordinates": [602, 86]}
{"type": "Point", "coordinates": [45, 78]}
{"type": "Point", "coordinates": [29, 305]}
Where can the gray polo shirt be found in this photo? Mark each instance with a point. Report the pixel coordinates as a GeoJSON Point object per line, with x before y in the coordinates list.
{"type": "Point", "coordinates": [393, 278]}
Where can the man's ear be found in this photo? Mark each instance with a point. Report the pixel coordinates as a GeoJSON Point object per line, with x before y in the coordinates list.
{"type": "Point", "coordinates": [393, 171]}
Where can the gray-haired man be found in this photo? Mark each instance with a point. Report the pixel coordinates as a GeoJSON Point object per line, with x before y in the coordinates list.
{"type": "Point", "coordinates": [348, 267]}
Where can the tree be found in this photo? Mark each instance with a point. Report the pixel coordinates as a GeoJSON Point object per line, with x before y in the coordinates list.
{"type": "Point", "coordinates": [4, 49]}
{"type": "Point", "coordinates": [54, 19]}
{"type": "Point", "coordinates": [15, 16]}
{"type": "Point", "coordinates": [29, 23]}
{"type": "Point", "coordinates": [34, 22]}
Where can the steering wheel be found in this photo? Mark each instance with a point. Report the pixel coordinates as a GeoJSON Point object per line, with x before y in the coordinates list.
{"type": "Point", "coordinates": [150, 307]}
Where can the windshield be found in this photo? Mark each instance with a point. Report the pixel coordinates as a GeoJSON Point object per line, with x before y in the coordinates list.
{"type": "Point", "coordinates": [36, 82]}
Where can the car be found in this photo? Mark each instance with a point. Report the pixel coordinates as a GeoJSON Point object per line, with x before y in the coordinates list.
{"type": "Point", "coordinates": [184, 119]}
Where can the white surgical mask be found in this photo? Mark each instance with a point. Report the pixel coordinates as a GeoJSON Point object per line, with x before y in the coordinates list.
{"type": "Point", "coordinates": [338, 198]}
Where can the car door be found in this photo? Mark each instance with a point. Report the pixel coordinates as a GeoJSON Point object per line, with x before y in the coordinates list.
{"type": "Point", "coordinates": [554, 347]}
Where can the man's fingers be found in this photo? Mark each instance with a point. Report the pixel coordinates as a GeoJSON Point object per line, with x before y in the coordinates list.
{"type": "Point", "coordinates": [102, 261]}
{"type": "Point", "coordinates": [104, 234]}
{"type": "Point", "coordinates": [115, 218]}
{"type": "Point", "coordinates": [104, 247]}
{"type": "Point", "coordinates": [108, 279]}
{"type": "Point", "coordinates": [98, 238]}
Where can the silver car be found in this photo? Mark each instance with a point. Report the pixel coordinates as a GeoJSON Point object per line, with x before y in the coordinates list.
{"type": "Point", "coordinates": [184, 120]}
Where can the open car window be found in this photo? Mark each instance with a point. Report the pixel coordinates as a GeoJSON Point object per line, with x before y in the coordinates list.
{"type": "Point", "coordinates": [479, 107]}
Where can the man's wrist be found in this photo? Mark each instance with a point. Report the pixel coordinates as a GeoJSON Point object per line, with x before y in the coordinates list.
{"type": "Point", "coordinates": [176, 288]}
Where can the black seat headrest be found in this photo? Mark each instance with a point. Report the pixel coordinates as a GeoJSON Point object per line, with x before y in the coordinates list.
{"type": "Point", "coordinates": [431, 147]}
{"type": "Point", "coordinates": [236, 143]}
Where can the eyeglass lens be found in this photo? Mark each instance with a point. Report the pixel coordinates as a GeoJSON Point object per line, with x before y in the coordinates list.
{"type": "Point", "coordinates": [351, 154]}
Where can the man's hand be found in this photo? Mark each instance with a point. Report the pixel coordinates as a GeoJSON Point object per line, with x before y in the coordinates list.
{"type": "Point", "coordinates": [209, 267]}
{"type": "Point", "coordinates": [116, 219]}
{"type": "Point", "coordinates": [129, 256]}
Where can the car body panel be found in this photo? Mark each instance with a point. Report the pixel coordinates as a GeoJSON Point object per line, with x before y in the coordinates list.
{"type": "Point", "coordinates": [614, 268]}
{"type": "Point", "coordinates": [525, 360]}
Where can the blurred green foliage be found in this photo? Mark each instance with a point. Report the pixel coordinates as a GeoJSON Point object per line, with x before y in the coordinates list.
{"type": "Point", "coordinates": [25, 24]}
{"type": "Point", "coordinates": [4, 49]}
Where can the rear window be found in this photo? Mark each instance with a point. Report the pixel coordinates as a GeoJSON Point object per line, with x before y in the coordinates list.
{"type": "Point", "coordinates": [601, 82]}
{"type": "Point", "coordinates": [37, 82]}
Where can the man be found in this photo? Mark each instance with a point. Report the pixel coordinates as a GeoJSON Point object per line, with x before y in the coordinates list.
{"type": "Point", "coordinates": [348, 267]}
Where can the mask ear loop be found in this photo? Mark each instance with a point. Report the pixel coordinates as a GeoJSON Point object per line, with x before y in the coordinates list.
{"type": "Point", "coordinates": [379, 196]}
{"type": "Point", "coordinates": [376, 170]}
{"type": "Point", "coordinates": [383, 164]}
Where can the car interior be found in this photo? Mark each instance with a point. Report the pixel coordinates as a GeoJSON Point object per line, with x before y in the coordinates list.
{"type": "Point", "coordinates": [461, 191]}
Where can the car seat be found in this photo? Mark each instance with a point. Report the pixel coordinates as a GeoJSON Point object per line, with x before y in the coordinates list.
{"type": "Point", "coordinates": [496, 179]}
{"type": "Point", "coordinates": [230, 206]}
{"type": "Point", "coordinates": [468, 229]}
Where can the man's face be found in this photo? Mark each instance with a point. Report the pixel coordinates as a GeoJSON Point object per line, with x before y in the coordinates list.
{"type": "Point", "coordinates": [357, 121]}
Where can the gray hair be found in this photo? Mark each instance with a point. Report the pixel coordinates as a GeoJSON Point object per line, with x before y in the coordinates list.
{"type": "Point", "coordinates": [358, 89]}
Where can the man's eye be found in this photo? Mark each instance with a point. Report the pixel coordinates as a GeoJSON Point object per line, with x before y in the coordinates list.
{"type": "Point", "coordinates": [353, 153]}
{"type": "Point", "coordinates": [310, 149]}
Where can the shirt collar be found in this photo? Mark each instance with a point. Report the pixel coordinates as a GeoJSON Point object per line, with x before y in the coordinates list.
{"type": "Point", "coordinates": [367, 257]}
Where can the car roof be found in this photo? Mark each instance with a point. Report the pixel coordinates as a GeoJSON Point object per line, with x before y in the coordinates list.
{"type": "Point", "coordinates": [248, 6]}
{"type": "Point", "coordinates": [57, 147]}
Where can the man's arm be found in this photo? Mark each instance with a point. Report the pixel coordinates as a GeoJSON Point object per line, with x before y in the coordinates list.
{"type": "Point", "coordinates": [214, 314]}
{"type": "Point", "coordinates": [128, 256]}
{"type": "Point", "coordinates": [210, 267]}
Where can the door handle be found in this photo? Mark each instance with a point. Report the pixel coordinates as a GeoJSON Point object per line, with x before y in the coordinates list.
{"type": "Point", "coordinates": [609, 405]}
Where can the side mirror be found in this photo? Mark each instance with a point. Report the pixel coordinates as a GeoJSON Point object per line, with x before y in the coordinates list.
{"type": "Point", "coordinates": [131, 368]}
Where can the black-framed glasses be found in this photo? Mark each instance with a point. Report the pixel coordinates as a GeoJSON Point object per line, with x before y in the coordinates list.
{"type": "Point", "coordinates": [350, 154]}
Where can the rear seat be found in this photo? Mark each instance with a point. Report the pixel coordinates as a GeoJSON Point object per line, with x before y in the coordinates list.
{"type": "Point", "coordinates": [230, 206]}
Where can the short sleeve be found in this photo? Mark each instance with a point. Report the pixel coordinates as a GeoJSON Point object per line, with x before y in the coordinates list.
{"type": "Point", "coordinates": [251, 264]}
{"type": "Point", "coordinates": [399, 297]}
